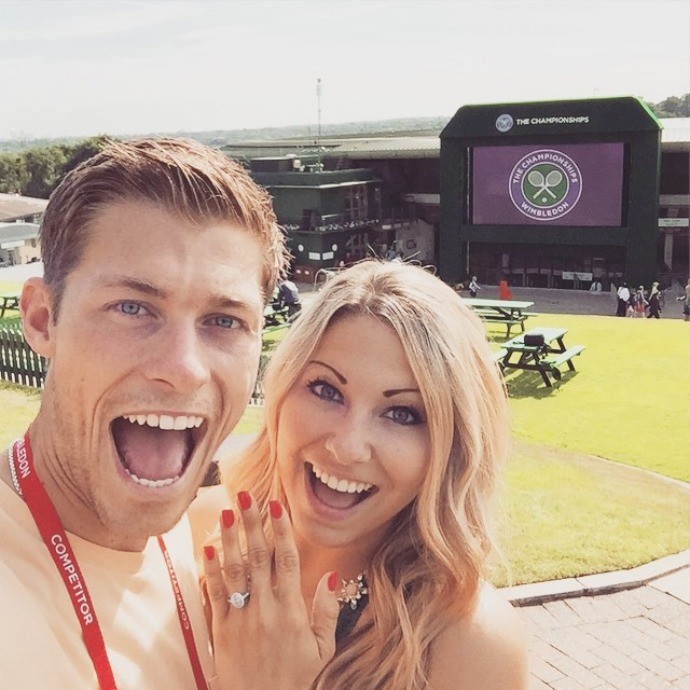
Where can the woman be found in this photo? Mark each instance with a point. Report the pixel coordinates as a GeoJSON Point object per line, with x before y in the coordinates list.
{"type": "Point", "coordinates": [386, 428]}
{"type": "Point", "coordinates": [654, 302]}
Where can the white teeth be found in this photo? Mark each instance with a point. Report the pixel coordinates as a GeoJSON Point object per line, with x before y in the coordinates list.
{"type": "Point", "coordinates": [152, 483]}
{"type": "Point", "coordinates": [165, 421]}
{"type": "Point", "coordinates": [342, 485]}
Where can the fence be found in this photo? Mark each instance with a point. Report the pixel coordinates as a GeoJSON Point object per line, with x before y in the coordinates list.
{"type": "Point", "coordinates": [18, 362]}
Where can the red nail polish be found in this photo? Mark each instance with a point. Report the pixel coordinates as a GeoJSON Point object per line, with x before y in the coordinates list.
{"type": "Point", "coordinates": [276, 509]}
{"type": "Point", "coordinates": [209, 552]}
{"type": "Point", "coordinates": [228, 518]}
{"type": "Point", "coordinates": [333, 581]}
{"type": "Point", "coordinates": [245, 500]}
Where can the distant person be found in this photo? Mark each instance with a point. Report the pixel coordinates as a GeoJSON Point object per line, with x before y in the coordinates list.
{"type": "Point", "coordinates": [596, 286]}
{"type": "Point", "coordinates": [623, 295]}
{"type": "Point", "coordinates": [390, 254]}
{"type": "Point", "coordinates": [640, 302]}
{"type": "Point", "coordinates": [474, 287]}
{"type": "Point", "coordinates": [685, 299]}
{"type": "Point", "coordinates": [288, 296]}
{"type": "Point", "coordinates": [655, 302]}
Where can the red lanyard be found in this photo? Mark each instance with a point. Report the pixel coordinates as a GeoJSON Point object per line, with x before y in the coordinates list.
{"type": "Point", "coordinates": [54, 536]}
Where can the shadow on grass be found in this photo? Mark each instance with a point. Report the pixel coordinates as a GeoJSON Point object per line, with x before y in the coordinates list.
{"type": "Point", "coordinates": [529, 384]}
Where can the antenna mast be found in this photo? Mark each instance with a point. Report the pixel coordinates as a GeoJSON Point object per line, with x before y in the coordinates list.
{"type": "Point", "coordinates": [318, 136]}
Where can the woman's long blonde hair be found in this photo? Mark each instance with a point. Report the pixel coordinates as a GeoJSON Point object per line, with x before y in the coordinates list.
{"type": "Point", "coordinates": [428, 569]}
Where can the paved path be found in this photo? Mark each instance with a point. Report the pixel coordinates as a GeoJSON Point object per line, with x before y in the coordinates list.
{"type": "Point", "coordinates": [635, 639]}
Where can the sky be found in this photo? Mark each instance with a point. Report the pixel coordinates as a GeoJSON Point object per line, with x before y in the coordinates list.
{"type": "Point", "coordinates": [126, 67]}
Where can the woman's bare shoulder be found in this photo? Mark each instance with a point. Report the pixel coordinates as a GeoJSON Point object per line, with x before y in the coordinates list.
{"type": "Point", "coordinates": [484, 650]}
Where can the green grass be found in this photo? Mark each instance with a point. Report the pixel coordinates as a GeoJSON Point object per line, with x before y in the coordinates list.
{"type": "Point", "coordinates": [19, 406]}
{"type": "Point", "coordinates": [628, 401]}
{"type": "Point", "coordinates": [567, 513]}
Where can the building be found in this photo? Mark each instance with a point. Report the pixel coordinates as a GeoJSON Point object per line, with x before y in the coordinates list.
{"type": "Point", "coordinates": [19, 243]}
{"type": "Point", "coordinates": [409, 172]}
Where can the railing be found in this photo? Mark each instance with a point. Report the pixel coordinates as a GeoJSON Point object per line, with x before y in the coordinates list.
{"type": "Point", "coordinates": [18, 362]}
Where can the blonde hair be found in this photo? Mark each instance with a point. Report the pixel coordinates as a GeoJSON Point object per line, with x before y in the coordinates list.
{"type": "Point", "coordinates": [185, 177]}
{"type": "Point", "coordinates": [429, 567]}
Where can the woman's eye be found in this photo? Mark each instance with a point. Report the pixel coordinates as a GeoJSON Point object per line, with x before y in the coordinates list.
{"type": "Point", "coordinates": [406, 416]}
{"type": "Point", "coordinates": [131, 308]}
{"type": "Point", "coordinates": [325, 391]}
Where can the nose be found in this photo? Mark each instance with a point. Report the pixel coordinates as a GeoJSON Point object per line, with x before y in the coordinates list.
{"type": "Point", "coordinates": [352, 441]}
{"type": "Point", "coordinates": [179, 359]}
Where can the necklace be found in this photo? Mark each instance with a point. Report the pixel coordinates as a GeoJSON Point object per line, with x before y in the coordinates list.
{"type": "Point", "coordinates": [352, 591]}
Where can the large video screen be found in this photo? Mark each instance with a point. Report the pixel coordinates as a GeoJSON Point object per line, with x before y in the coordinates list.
{"type": "Point", "coordinates": [574, 184]}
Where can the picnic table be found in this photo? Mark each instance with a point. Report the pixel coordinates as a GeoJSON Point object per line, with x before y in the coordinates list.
{"type": "Point", "coordinates": [507, 312]}
{"type": "Point", "coordinates": [8, 301]}
{"type": "Point", "coordinates": [539, 349]}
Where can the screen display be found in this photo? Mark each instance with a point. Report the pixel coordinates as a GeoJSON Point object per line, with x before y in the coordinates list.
{"type": "Point", "coordinates": [569, 184]}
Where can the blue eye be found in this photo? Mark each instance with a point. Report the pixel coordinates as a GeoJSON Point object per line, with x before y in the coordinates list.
{"type": "Point", "coordinates": [130, 308]}
{"type": "Point", "coordinates": [325, 391]}
{"type": "Point", "coordinates": [225, 322]}
{"type": "Point", "coordinates": [406, 416]}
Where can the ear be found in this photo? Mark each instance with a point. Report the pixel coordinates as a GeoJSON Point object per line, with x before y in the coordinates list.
{"type": "Point", "coordinates": [36, 309]}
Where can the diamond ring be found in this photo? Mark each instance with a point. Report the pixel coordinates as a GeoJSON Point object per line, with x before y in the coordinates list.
{"type": "Point", "coordinates": [238, 599]}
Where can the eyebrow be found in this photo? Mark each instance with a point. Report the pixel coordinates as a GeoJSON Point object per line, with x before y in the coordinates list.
{"type": "Point", "coordinates": [139, 285]}
{"type": "Point", "coordinates": [336, 373]}
{"type": "Point", "coordinates": [386, 394]}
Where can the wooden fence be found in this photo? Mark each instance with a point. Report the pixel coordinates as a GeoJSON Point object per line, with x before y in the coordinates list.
{"type": "Point", "coordinates": [18, 362]}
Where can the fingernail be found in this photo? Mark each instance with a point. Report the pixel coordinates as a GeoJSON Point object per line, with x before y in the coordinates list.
{"type": "Point", "coordinates": [245, 500]}
{"type": "Point", "coordinates": [209, 552]}
{"type": "Point", "coordinates": [276, 509]}
{"type": "Point", "coordinates": [228, 518]}
{"type": "Point", "coordinates": [333, 581]}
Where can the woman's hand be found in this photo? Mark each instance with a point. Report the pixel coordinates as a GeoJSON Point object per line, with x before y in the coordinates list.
{"type": "Point", "coordinates": [271, 641]}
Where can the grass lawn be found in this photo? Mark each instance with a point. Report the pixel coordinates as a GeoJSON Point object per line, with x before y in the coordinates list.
{"type": "Point", "coordinates": [566, 513]}
{"type": "Point", "coordinates": [629, 400]}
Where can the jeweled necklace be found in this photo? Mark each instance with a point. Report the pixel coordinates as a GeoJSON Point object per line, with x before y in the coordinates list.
{"type": "Point", "coordinates": [352, 591]}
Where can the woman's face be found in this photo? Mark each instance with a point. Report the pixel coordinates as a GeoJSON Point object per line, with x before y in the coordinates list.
{"type": "Point", "coordinates": [353, 440]}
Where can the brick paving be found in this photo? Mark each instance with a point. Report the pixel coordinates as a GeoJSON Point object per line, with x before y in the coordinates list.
{"type": "Point", "coordinates": [637, 639]}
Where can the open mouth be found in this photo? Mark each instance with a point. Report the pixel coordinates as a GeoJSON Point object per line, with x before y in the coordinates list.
{"type": "Point", "coordinates": [155, 450]}
{"type": "Point", "coordinates": [336, 492]}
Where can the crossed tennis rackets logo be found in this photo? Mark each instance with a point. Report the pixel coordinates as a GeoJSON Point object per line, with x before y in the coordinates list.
{"type": "Point", "coordinates": [545, 185]}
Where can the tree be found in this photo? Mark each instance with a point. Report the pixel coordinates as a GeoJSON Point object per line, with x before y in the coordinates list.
{"type": "Point", "coordinates": [13, 175]}
{"type": "Point", "coordinates": [44, 167]}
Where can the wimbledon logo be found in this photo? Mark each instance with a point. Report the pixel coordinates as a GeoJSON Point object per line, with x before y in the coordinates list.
{"type": "Point", "coordinates": [545, 185]}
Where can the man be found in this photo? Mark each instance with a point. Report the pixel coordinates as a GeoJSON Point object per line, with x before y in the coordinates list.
{"type": "Point", "coordinates": [288, 296]}
{"type": "Point", "coordinates": [623, 296]}
{"type": "Point", "coordinates": [159, 258]}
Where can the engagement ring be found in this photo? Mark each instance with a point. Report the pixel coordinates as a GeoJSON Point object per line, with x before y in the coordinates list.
{"type": "Point", "coordinates": [238, 599]}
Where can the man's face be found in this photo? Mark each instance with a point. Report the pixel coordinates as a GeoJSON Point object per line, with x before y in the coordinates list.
{"type": "Point", "coordinates": [152, 361]}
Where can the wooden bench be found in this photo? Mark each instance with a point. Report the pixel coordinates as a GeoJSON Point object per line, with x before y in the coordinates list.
{"type": "Point", "coordinates": [8, 302]}
{"type": "Point", "coordinates": [494, 317]}
{"type": "Point", "coordinates": [498, 357]}
{"type": "Point", "coordinates": [552, 362]}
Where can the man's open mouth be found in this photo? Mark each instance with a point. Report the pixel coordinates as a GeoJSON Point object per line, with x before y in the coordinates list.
{"type": "Point", "coordinates": [154, 449]}
{"type": "Point", "coordinates": [336, 492]}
